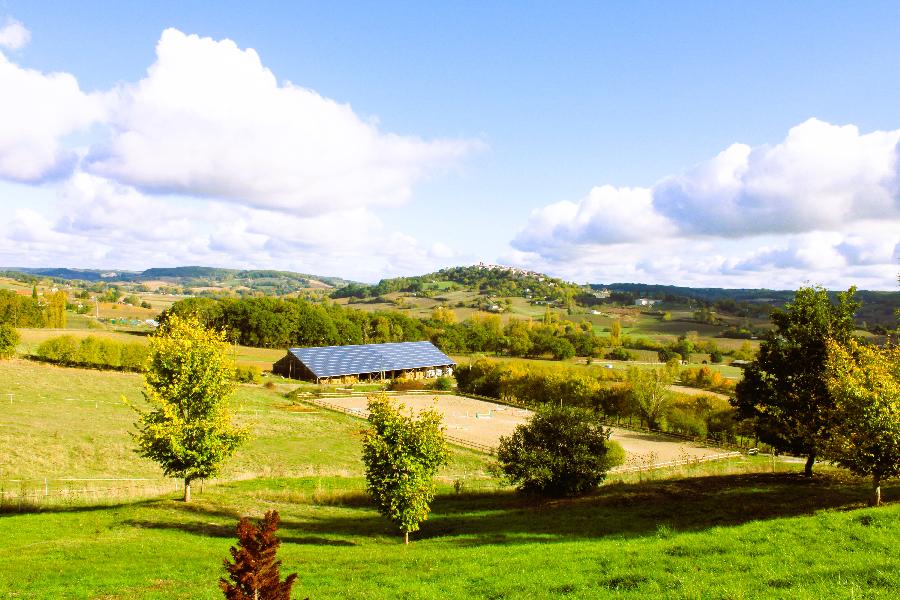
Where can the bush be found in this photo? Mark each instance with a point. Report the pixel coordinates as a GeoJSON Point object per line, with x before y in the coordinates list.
{"type": "Point", "coordinates": [620, 353]}
{"type": "Point", "coordinates": [62, 349]}
{"type": "Point", "coordinates": [615, 455]}
{"type": "Point", "coordinates": [443, 383]}
{"type": "Point", "coordinates": [93, 352]}
{"type": "Point", "coordinates": [249, 374]}
{"type": "Point", "coordinates": [561, 451]}
{"type": "Point", "coordinates": [9, 337]}
{"type": "Point", "coordinates": [402, 384]}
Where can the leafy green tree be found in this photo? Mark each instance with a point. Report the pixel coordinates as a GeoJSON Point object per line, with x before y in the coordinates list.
{"type": "Point", "coordinates": [864, 436]}
{"type": "Point", "coordinates": [650, 392]}
{"type": "Point", "coordinates": [785, 389]}
{"type": "Point", "coordinates": [402, 454]}
{"type": "Point", "coordinates": [255, 573]}
{"type": "Point", "coordinates": [188, 431]}
{"type": "Point", "coordinates": [9, 338]}
{"type": "Point", "coordinates": [561, 451]}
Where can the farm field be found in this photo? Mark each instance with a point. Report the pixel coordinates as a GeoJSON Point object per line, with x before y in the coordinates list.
{"type": "Point", "coordinates": [732, 529]}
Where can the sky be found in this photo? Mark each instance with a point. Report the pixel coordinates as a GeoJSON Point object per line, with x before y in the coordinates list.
{"type": "Point", "coordinates": [714, 144]}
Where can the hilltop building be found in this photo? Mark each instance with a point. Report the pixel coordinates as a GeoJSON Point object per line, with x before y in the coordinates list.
{"type": "Point", "coordinates": [348, 364]}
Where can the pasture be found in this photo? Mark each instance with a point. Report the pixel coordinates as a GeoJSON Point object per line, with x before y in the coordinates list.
{"type": "Point", "coordinates": [722, 530]}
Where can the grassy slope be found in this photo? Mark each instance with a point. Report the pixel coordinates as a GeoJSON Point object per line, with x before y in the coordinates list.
{"type": "Point", "coordinates": [744, 535]}
{"type": "Point", "coordinates": [73, 423]}
{"type": "Point", "coordinates": [741, 536]}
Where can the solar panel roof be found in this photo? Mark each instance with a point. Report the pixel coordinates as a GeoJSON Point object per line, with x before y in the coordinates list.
{"type": "Point", "coordinates": [331, 361]}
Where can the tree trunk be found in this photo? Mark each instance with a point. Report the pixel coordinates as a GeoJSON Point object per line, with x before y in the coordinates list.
{"type": "Point", "coordinates": [810, 461]}
{"type": "Point", "coordinates": [876, 491]}
{"type": "Point", "coordinates": [187, 490]}
{"type": "Point", "coordinates": [406, 538]}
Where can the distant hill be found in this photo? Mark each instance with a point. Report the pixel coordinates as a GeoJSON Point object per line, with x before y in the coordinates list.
{"type": "Point", "coordinates": [266, 281]}
{"type": "Point", "coordinates": [487, 280]}
{"type": "Point", "coordinates": [878, 307]}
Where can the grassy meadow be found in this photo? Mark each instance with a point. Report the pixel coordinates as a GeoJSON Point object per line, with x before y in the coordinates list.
{"type": "Point", "coordinates": [720, 530]}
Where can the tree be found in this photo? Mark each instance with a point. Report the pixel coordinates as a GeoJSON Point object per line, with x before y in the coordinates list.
{"type": "Point", "coordinates": [188, 381]}
{"type": "Point", "coordinates": [561, 451]}
{"type": "Point", "coordinates": [785, 389]}
{"type": "Point", "coordinates": [650, 391]}
{"type": "Point", "coordinates": [56, 311]}
{"type": "Point", "coordinates": [864, 436]}
{"type": "Point", "coordinates": [615, 333]}
{"type": "Point", "coordinates": [402, 454]}
{"type": "Point", "coordinates": [255, 572]}
{"type": "Point", "coordinates": [9, 338]}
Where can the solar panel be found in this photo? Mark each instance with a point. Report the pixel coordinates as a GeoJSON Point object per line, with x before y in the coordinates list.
{"type": "Point", "coordinates": [331, 361]}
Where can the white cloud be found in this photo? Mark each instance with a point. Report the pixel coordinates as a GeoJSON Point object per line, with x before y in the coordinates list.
{"type": "Point", "coordinates": [821, 176]}
{"type": "Point", "coordinates": [101, 223]}
{"type": "Point", "coordinates": [822, 206]}
{"type": "Point", "coordinates": [34, 119]}
{"type": "Point", "coordinates": [210, 120]}
{"type": "Point", "coordinates": [13, 35]}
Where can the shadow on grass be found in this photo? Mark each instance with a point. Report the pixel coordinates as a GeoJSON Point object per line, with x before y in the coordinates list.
{"type": "Point", "coordinates": [622, 510]}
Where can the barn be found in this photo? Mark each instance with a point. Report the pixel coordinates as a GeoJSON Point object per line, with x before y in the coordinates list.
{"type": "Point", "coordinates": [348, 364]}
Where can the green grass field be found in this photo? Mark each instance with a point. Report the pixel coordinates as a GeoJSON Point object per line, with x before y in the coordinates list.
{"type": "Point", "coordinates": [721, 530]}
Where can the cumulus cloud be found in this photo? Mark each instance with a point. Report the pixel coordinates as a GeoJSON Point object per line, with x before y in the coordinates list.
{"type": "Point", "coordinates": [98, 222]}
{"type": "Point", "coordinates": [211, 120]}
{"type": "Point", "coordinates": [820, 176]}
{"type": "Point", "coordinates": [34, 120]}
{"type": "Point", "coordinates": [13, 35]}
{"type": "Point", "coordinates": [823, 205]}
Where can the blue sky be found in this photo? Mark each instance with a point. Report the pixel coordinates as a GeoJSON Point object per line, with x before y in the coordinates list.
{"type": "Point", "coordinates": [716, 144]}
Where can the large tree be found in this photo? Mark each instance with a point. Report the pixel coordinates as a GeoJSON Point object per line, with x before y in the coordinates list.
{"type": "Point", "coordinates": [188, 382]}
{"type": "Point", "coordinates": [865, 431]}
{"type": "Point", "coordinates": [785, 389]}
{"type": "Point", "coordinates": [402, 453]}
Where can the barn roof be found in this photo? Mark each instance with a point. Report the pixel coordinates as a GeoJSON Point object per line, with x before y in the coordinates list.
{"type": "Point", "coordinates": [331, 361]}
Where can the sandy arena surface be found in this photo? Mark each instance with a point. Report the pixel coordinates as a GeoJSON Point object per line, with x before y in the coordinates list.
{"type": "Point", "coordinates": [484, 422]}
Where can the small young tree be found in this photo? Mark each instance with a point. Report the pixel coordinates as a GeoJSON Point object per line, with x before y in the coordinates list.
{"type": "Point", "coordinates": [864, 435]}
{"type": "Point", "coordinates": [255, 573]}
{"type": "Point", "coordinates": [188, 381]}
{"type": "Point", "coordinates": [9, 338]}
{"type": "Point", "coordinates": [402, 454]}
{"type": "Point", "coordinates": [650, 392]}
{"type": "Point", "coordinates": [561, 451]}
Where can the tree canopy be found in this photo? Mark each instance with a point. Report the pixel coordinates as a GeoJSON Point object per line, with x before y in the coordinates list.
{"type": "Point", "coordinates": [865, 423]}
{"type": "Point", "coordinates": [402, 453]}
{"type": "Point", "coordinates": [188, 431]}
{"type": "Point", "coordinates": [785, 389]}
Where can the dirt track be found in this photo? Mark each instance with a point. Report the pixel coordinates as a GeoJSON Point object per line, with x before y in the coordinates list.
{"type": "Point", "coordinates": [484, 422]}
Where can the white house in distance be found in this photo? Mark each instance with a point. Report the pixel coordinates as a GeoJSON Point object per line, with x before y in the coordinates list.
{"type": "Point", "coordinates": [645, 302]}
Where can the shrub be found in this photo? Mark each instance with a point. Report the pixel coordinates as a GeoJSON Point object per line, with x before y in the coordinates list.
{"type": "Point", "coordinates": [561, 451]}
{"type": "Point", "coordinates": [402, 384]}
{"type": "Point", "coordinates": [62, 349]}
{"type": "Point", "coordinates": [255, 572]}
{"type": "Point", "coordinates": [248, 374]}
{"type": "Point", "coordinates": [9, 337]}
{"type": "Point", "coordinates": [615, 455]}
{"type": "Point", "coordinates": [443, 383]}
{"type": "Point", "coordinates": [620, 353]}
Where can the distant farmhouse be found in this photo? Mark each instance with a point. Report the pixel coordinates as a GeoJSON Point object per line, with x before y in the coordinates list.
{"type": "Point", "coordinates": [645, 302]}
{"type": "Point", "coordinates": [348, 364]}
